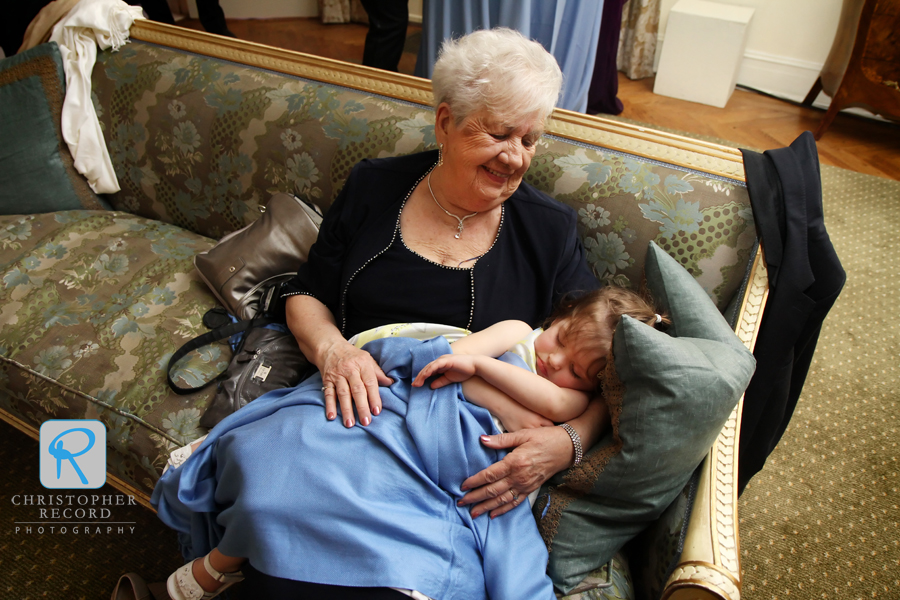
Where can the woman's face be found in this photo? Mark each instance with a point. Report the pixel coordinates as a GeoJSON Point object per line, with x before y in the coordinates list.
{"type": "Point", "coordinates": [484, 157]}
{"type": "Point", "coordinates": [565, 362]}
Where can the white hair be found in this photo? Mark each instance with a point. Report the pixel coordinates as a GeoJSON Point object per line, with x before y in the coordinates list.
{"type": "Point", "coordinates": [499, 70]}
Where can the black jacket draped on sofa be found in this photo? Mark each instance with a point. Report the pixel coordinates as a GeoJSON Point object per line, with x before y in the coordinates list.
{"type": "Point", "coordinates": [805, 278]}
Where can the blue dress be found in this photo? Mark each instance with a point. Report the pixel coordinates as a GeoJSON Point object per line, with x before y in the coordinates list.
{"type": "Point", "coordinates": [568, 29]}
{"type": "Point", "coordinates": [306, 499]}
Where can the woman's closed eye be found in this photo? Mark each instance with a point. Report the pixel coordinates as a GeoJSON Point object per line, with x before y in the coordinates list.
{"type": "Point", "coordinates": [528, 141]}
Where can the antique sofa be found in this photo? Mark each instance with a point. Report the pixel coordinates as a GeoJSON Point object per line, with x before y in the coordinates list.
{"type": "Point", "coordinates": [202, 130]}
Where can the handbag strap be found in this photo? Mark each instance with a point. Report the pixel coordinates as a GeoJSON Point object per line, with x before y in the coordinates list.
{"type": "Point", "coordinates": [209, 337]}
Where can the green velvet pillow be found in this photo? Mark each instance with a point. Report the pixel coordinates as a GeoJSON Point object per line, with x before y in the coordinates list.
{"type": "Point", "coordinates": [669, 395]}
{"type": "Point", "coordinates": [37, 173]}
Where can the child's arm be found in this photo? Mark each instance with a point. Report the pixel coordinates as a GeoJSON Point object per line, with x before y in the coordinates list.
{"type": "Point", "coordinates": [493, 341]}
{"type": "Point", "coordinates": [513, 415]}
{"type": "Point", "coordinates": [528, 389]}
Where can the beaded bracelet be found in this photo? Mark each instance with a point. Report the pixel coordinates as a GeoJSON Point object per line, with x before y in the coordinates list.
{"type": "Point", "coordinates": [576, 441]}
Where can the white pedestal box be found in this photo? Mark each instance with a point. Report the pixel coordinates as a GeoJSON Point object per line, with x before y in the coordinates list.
{"type": "Point", "coordinates": [702, 51]}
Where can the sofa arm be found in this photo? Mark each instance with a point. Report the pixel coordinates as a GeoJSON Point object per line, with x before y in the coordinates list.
{"type": "Point", "coordinates": [709, 567]}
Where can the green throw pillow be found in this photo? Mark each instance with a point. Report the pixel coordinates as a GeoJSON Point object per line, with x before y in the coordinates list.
{"type": "Point", "coordinates": [669, 396]}
{"type": "Point", "coordinates": [37, 173]}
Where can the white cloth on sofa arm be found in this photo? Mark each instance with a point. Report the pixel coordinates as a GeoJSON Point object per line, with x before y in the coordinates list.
{"type": "Point", "coordinates": [91, 23]}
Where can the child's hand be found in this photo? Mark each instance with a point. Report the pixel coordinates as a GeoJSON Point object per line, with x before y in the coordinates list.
{"type": "Point", "coordinates": [456, 368]}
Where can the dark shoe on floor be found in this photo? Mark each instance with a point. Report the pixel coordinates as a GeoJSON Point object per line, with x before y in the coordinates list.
{"type": "Point", "coordinates": [131, 586]}
{"type": "Point", "coordinates": [223, 31]}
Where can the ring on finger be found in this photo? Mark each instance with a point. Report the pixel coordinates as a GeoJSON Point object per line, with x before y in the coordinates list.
{"type": "Point", "coordinates": [515, 495]}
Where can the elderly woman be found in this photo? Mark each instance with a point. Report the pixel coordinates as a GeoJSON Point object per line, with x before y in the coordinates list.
{"type": "Point", "coordinates": [452, 237]}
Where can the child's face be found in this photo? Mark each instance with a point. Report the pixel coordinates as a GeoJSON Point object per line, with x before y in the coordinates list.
{"type": "Point", "coordinates": [565, 363]}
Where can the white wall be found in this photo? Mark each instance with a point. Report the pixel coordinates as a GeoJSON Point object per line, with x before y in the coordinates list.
{"type": "Point", "coordinates": [787, 44]}
{"type": "Point", "coordinates": [263, 9]}
{"type": "Point", "coordinates": [415, 11]}
{"type": "Point", "coordinates": [273, 9]}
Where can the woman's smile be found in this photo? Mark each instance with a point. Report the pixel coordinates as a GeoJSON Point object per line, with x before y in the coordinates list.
{"type": "Point", "coordinates": [495, 176]}
{"type": "Point", "coordinates": [485, 158]}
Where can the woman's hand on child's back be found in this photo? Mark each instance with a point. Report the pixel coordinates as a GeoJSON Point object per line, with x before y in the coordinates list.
{"type": "Point", "coordinates": [516, 417]}
{"type": "Point", "coordinates": [454, 368]}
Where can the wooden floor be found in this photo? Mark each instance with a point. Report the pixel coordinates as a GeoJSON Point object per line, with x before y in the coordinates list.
{"type": "Point", "coordinates": [750, 119]}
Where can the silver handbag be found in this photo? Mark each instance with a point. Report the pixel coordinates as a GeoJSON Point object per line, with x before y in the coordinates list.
{"type": "Point", "coordinates": [271, 248]}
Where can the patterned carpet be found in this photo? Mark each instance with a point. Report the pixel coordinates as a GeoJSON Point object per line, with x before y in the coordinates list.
{"type": "Point", "coordinates": [70, 566]}
{"type": "Point", "coordinates": [820, 521]}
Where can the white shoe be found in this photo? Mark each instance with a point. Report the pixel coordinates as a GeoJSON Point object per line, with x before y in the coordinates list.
{"type": "Point", "coordinates": [182, 585]}
{"type": "Point", "coordinates": [179, 455]}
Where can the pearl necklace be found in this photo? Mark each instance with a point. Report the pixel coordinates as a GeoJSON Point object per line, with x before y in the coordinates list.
{"type": "Point", "coordinates": [459, 228]}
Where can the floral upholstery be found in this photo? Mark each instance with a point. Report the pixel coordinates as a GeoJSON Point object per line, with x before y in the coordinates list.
{"type": "Point", "coordinates": [605, 585]}
{"type": "Point", "coordinates": [623, 202]}
{"type": "Point", "coordinates": [201, 143]}
{"type": "Point", "coordinates": [651, 570]}
{"type": "Point", "coordinates": [94, 303]}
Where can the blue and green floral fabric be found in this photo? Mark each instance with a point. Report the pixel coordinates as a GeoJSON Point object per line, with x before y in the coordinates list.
{"type": "Point", "coordinates": [605, 583]}
{"type": "Point", "coordinates": [93, 305]}
{"type": "Point", "coordinates": [200, 143]}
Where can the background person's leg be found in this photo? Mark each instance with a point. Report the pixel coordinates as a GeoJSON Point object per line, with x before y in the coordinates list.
{"type": "Point", "coordinates": [388, 20]}
{"type": "Point", "coordinates": [157, 10]}
{"type": "Point", "coordinates": [212, 17]}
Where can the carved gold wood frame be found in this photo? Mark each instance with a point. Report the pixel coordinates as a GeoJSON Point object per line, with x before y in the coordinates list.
{"type": "Point", "coordinates": [640, 141]}
{"type": "Point", "coordinates": [710, 565]}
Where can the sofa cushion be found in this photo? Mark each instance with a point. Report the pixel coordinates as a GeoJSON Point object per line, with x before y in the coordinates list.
{"type": "Point", "coordinates": [669, 394]}
{"type": "Point", "coordinates": [37, 173]}
{"type": "Point", "coordinates": [202, 142]}
{"type": "Point", "coordinates": [623, 201]}
{"type": "Point", "coordinates": [92, 304]}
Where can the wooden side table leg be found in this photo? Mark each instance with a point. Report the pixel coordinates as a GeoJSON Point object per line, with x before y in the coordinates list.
{"type": "Point", "coordinates": [813, 93]}
{"type": "Point", "coordinates": [832, 112]}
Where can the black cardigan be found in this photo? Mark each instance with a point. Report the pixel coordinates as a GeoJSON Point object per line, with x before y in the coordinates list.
{"type": "Point", "coordinates": [536, 259]}
{"type": "Point", "coordinates": [805, 278]}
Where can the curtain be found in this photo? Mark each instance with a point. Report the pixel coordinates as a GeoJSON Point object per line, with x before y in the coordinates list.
{"type": "Point", "coordinates": [342, 11]}
{"type": "Point", "coordinates": [568, 29]}
{"type": "Point", "coordinates": [637, 39]}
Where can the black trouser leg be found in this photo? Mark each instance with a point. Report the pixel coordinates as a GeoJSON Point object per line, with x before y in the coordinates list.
{"type": "Point", "coordinates": [157, 10]}
{"type": "Point", "coordinates": [388, 20]}
{"type": "Point", "coordinates": [260, 585]}
{"type": "Point", "coordinates": [212, 17]}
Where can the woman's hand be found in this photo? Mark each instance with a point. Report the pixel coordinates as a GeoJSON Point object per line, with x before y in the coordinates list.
{"type": "Point", "coordinates": [351, 376]}
{"type": "Point", "coordinates": [455, 368]}
{"type": "Point", "coordinates": [538, 455]}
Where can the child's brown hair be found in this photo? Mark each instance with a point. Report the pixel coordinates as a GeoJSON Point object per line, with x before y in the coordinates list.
{"type": "Point", "coordinates": [593, 317]}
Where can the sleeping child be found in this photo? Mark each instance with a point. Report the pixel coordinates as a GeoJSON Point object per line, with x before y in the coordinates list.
{"type": "Point", "coordinates": [565, 361]}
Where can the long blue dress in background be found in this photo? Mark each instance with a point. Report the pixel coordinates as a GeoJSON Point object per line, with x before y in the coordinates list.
{"type": "Point", "coordinates": [306, 499]}
{"type": "Point", "coordinates": [568, 29]}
